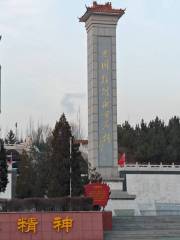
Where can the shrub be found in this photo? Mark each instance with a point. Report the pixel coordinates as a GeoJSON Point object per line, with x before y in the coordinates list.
{"type": "Point", "coordinates": [47, 205]}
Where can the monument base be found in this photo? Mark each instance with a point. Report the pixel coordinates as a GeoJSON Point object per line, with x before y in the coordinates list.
{"type": "Point", "coordinates": [123, 207]}
{"type": "Point", "coordinates": [108, 173]}
{"type": "Point", "coordinates": [121, 203]}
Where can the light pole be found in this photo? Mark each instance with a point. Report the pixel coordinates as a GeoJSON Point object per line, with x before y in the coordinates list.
{"type": "Point", "coordinates": [70, 168]}
{"type": "Point", "coordinates": [0, 81]}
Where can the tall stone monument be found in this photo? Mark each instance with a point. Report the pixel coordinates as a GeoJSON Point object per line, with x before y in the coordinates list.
{"type": "Point", "coordinates": [100, 22]}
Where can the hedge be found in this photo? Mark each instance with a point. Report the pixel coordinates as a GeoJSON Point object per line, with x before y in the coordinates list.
{"type": "Point", "coordinates": [46, 205]}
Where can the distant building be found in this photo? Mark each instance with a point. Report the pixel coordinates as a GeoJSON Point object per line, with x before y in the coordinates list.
{"type": "Point", "coordinates": [13, 152]}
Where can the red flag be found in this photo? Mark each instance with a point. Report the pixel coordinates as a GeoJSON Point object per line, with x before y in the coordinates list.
{"type": "Point", "coordinates": [122, 160]}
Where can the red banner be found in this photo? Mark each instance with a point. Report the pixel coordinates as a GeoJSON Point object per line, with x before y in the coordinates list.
{"type": "Point", "coordinates": [99, 192]}
{"type": "Point", "coordinates": [122, 160]}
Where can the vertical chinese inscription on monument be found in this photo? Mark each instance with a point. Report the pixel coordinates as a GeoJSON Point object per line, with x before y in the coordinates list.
{"type": "Point", "coordinates": [105, 101]}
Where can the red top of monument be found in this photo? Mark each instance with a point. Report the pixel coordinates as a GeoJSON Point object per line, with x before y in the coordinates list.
{"type": "Point", "coordinates": [101, 8]}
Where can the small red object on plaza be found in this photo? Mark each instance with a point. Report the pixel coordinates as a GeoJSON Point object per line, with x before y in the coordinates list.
{"type": "Point", "coordinates": [99, 192]}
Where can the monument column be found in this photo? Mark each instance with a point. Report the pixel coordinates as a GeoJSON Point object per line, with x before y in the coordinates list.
{"type": "Point", "coordinates": [100, 22]}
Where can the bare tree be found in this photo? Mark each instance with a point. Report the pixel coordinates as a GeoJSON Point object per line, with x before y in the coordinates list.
{"type": "Point", "coordinates": [38, 135]}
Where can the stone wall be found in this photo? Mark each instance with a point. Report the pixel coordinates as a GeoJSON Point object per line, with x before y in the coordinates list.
{"type": "Point", "coordinates": [50, 225]}
{"type": "Point", "coordinates": [155, 193]}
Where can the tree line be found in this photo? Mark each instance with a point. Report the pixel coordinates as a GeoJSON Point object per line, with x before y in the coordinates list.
{"type": "Point", "coordinates": [44, 171]}
{"type": "Point", "coordinates": [54, 166]}
{"type": "Point", "coordinates": [154, 142]}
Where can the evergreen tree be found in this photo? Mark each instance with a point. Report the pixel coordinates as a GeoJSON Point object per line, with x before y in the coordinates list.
{"type": "Point", "coordinates": [3, 168]}
{"type": "Point", "coordinates": [34, 167]}
{"type": "Point", "coordinates": [157, 142]}
{"type": "Point", "coordinates": [154, 142]}
{"type": "Point", "coordinates": [26, 179]}
{"type": "Point", "coordinates": [41, 159]}
{"type": "Point", "coordinates": [173, 141]}
{"type": "Point", "coordinates": [126, 139]}
{"type": "Point", "coordinates": [59, 174]}
{"type": "Point", "coordinates": [11, 138]}
{"type": "Point", "coordinates": [76, 179]}
{"type": "Point", "coordinates": [141, 142]}
{"type": "Point", "coordinates": [126, 135]}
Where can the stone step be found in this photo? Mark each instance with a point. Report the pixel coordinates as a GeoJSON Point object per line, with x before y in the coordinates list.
{"type": "Point", "coordinates": [142, 235]}
{"type": "Point", "coordinates": [118, 194]}
{"type": "Point", "coordinates": [138, 225]}
{"type": "Point", "coordinates": [165, 232]}
{"type": "Point", "coordinates": [145, 228]}
{"type": "Point", "coordinates": [146, 218]}
{"type": "Point", "coordinates": [158, 227]}
{"type": "Point", "coordinates": [145, 222]}
{"type": "Point", "coordinates": [136, 237]}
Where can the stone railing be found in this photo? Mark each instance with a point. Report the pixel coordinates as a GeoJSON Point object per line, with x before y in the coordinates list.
{"type": "Point", "coordinates": [149, 167]}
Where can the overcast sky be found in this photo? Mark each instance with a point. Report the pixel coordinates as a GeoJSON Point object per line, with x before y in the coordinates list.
{"type": "Point", "coordinates": [44, 65]}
